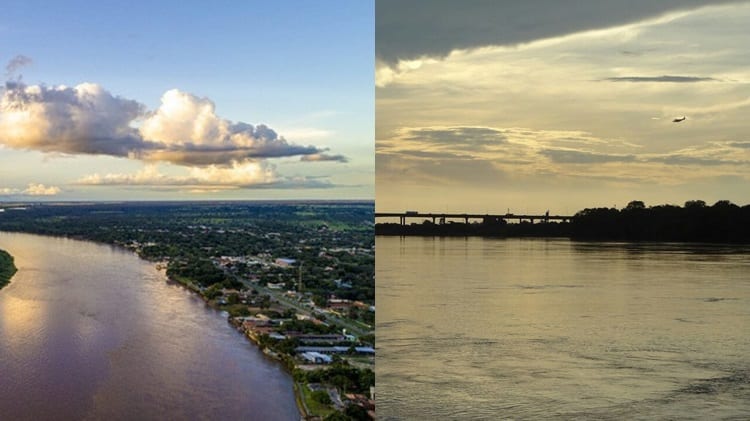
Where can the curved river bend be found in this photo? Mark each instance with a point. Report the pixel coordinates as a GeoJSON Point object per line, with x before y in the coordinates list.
{"type": "Point", "coordinates": [89, 331]}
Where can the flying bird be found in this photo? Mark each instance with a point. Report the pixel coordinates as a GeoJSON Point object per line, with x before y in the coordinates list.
{"type": "Point", "coordinates": [677, 120]}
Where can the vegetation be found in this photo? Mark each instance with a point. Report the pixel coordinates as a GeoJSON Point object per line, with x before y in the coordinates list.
{"type": "Point", "coordinates": [313, 404]}
{"type": "Point", "coordinates": [334, 240]}
{"type": "Point", "coordinates": [7, 268]}
{"type": "Point", "coordinates": [340, 374]}
{"type": "Point", "coordinates": [722, 222]}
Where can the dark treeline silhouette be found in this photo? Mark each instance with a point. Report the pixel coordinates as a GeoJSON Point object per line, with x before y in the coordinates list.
{"type": "Point", "coordinates": [722, 222]}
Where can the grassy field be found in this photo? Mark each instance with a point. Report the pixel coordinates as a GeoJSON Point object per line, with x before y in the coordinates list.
{"type": "Point", "coordinates": [315, 407]}
{"type": "Point", "coordinates": [7, 268]}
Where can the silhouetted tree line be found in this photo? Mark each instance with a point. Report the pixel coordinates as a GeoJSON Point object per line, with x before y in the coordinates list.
{"type": "Point", "coordinates": [722, 222]}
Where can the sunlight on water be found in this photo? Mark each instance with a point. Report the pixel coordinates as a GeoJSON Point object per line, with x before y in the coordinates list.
{"type": "Point", "coordinates": [485, 328]}
{"type": "Point", "coordinates": [92, 332]}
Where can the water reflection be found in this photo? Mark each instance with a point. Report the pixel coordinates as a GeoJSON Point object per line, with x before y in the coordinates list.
{"type": "Point", "coordinates": [528, 329]}
{"type": "Point", "coordinates": [91, 332]}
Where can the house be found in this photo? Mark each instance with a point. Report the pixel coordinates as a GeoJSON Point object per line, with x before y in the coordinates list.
{"type": "Point", "coordinates": [284, 262]}
{"type": "Point", "coordinates": [316, 357]}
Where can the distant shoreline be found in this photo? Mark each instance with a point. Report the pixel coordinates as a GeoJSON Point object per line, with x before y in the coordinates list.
{"type": "Point", "coordinates": [7, 268]}
{"type": "Point", "coordinates": [695, 222]}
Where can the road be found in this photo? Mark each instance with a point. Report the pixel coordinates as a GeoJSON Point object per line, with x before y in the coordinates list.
{"type": "Point", "coordinates": [340, 322]}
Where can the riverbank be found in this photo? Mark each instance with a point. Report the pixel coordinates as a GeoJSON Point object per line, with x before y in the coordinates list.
{"type": "Point", "coordinates": [7, 268]}
{"type": "Point", "coordinates": [298, 394]}
{"type": "Point", "coordinates": [254, 326]}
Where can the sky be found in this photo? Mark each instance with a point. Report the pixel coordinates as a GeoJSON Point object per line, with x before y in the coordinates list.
{"type": "Point", "coordinates": [523, 107]}
{"type": "Point", "coordinates": [182, 100]}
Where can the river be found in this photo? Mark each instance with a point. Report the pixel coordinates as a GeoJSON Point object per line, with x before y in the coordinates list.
{"type": "Point", "coordinates": [90, 332]}
{"type": "Point", "coordinates": [474, 328]}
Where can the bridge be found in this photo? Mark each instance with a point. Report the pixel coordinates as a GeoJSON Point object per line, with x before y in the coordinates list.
{"type": "Point", "coordinates": [442, 217]}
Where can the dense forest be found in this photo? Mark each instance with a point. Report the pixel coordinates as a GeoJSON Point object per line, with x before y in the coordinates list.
{"type": "Point", "coordinates": [7, 268]}
{"type": "Point", "coordinates": [722, 222]}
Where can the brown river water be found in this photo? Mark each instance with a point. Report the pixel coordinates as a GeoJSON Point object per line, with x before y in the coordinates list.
{"type": "Point", "coordinates": [90, 332]}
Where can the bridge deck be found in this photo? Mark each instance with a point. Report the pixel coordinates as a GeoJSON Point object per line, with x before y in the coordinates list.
{"type": "Point", "coordinates": [466, 216]}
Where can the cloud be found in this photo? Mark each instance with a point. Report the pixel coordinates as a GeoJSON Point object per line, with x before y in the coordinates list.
{"type": "Point", "coordinates": [188, 126]}
{"type": "Point", "coordinates": [41, 190]}
{"type": "Point", "coordinates": [432, 155]}
{"type": "Point", "coordinates": [15, 64]}
{"type": "Point", "coordinates": [33, 189]}
{"type": "Point", "coordinates": [324, 157]}
{"type": "Point", "coordinates": [407, 30]}
{"type": "Point", "coordinates": [466, 136]}
{"type": "Point", "coordinates": [665, 78]}
{"type": "Point", "coordinates": [744, 145]}
{"type": "Point", "coordinates": [567, 156]}
{"type": "Point", "coordinates": [87, 119]}
{"type": "Point", "coordinates": [212, 178]}
{"type": "Point", "coordinates": [437, 171]}
{"type": "Point", "coordinates": [679, 159]}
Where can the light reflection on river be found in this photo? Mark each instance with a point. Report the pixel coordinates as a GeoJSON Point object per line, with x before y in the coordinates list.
{"type": "Point", "coordinates": [472, 328]}
{"type": "Point", "coordinates": [92, 332]}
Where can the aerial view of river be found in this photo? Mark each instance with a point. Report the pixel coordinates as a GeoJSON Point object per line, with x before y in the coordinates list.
{"type": "Point", "coordinates": [91, 332]}
{"type": "Point", "coordinates": [479, 328]}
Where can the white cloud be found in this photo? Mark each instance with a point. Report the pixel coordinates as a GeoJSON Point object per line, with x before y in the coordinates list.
{"type": "Point", "coordinates": [33, 189]}
{"type": "Point", "coordinates": [212, 178]}
{"type": "Point", "coordinates": [87, 119]}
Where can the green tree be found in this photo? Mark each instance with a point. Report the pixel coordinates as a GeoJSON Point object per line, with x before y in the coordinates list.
{"type": "Point", "coordinates": [336, 416]}
{"type": "Point", "coordinates": [321, 396]}
{"type": "Point", "coordinates": [356, 412]}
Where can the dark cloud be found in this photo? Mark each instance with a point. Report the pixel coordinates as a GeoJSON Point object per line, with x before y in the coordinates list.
{"type": "Point", "coordinates": [323, 157]}
{"type": "Point", "coordinates": [408, 29]}
{"type": "Point", "coordinates": [14, 65]}
{"type": "Point", "coordinates": [459, 136]}
{"type": "Point", "coordinates": [443, 171]}
{"type": "Point", "coordinates": [566, 156]}
{"type": "Point", "coordinates": [678, 159]}
{"type": "Point", "coordinates": [665, 78]}
{"type": "Point", "coordinates": [433, 154]}
{"type": "Point", "coordinates": [744, 145]}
